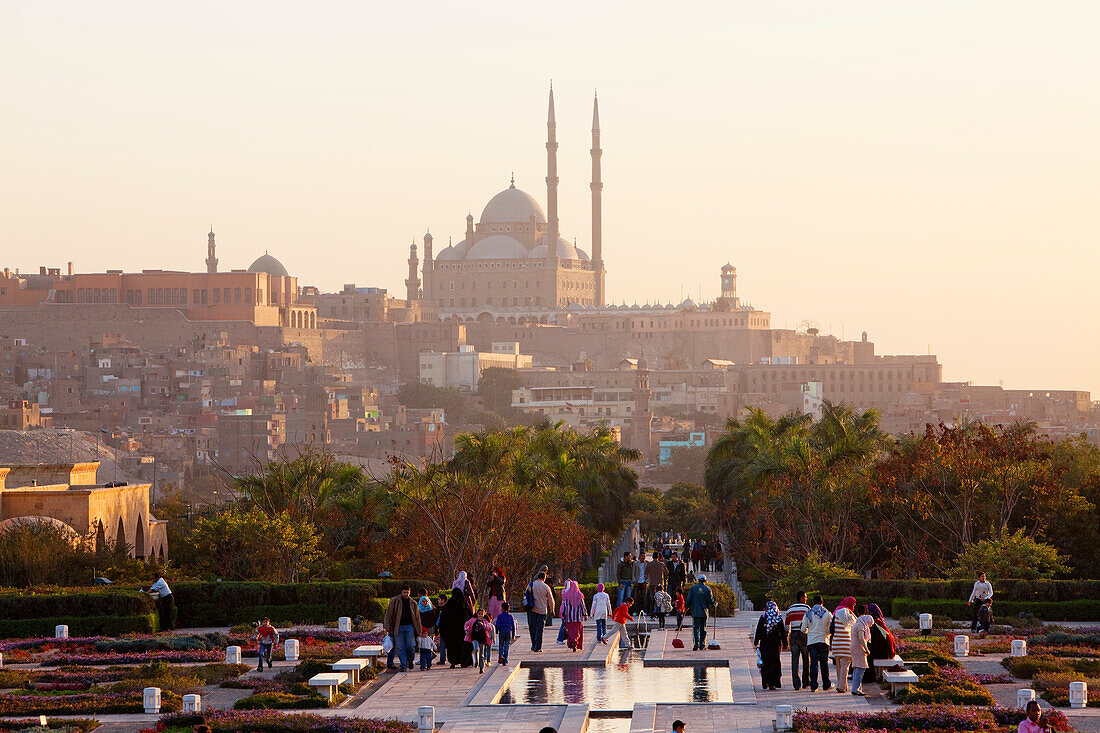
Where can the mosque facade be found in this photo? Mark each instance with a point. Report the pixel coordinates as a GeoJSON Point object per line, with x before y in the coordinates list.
{"type": "Point", "coordinates": [514, 265]}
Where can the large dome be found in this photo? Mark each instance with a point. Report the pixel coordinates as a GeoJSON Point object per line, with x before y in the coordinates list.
{"type": "Point", "coordinates": [270, 265]}
{"type": "Point", "coordinates": [566, 251]}
{"type": "Point", "coordinates": [453, 252]}
{"type": "Point", "coordinates": [497, 247]}
{"type": "Point", "coordinates": [512, 205]}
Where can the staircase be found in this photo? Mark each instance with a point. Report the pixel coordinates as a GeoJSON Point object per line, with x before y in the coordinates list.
{"type": "Point", "coordinates": [729, 570]}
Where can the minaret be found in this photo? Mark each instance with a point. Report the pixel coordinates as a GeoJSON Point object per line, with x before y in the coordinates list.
{"type": "Point", "coordinates": [552, 177]}
{"type": "Point", "coordinates": [597, 204]}
{"type": "Point", "coordinates": [428, 265]}
{"type": "Point", "coordinates": [469, 230]}
{"type": "Point", "coordinates": [643, 412]}
{"type": "Point", "coordinates": [412, 285]}
{"type": "Point", "coordinates": [211, 260]}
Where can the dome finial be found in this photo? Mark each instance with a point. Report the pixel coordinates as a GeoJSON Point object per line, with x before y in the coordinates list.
{"type": "Point", "coordinates": [513, 180]}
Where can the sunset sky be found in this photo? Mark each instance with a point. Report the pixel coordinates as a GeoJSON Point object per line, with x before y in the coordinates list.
{"type": "Point", "coordinates": [926, 171]}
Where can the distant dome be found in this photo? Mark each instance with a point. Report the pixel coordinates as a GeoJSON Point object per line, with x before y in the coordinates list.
{"type": "Point", "coordinates": [582, 255]}
{"type": "Point", "coordinates": [566, 251]}
{"type": "Point", "coordinates": [688, 303]}
{"type": "Point", "coordinates": [497, 247]}
{"type": "Point", "coordinates": [453, 252]}
{"type": "Point", "coordinates": [270, 265]}
{"type": "Point", "coordinates": [512, 205]}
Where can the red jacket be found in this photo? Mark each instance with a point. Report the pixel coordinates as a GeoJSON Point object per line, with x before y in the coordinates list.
{"type": "Point", "coordinates": [622, 614]}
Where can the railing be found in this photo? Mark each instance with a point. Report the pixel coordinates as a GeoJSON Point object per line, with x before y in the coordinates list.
{"type": "Point", "coordinates": [628, 542]}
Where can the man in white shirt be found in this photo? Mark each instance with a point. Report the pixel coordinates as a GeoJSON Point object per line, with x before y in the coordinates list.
{"type": "Point", "coordinates": [983, 590]}
{"type": "Point", "coordinates": [166, 602]}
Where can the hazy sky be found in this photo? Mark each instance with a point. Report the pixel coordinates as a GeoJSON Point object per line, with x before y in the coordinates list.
{"type": "Point", "coordinates": [926, 171]}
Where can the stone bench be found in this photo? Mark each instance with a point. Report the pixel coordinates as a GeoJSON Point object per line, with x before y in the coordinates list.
{"type": "Point", "coordinates": [352, 666]}
{"type": "Point", "coordinates": [899, 680]}
{"type": "Point", "coordinates": [882, 664]}
{"type": "Point", "coordinates": [329, 682]}
{"type": "Point", "coordinates": [369, 651]}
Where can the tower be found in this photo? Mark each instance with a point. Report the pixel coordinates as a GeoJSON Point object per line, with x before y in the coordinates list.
{"type": "Point", "coordinates": [552, 178]}
{"type": "Point", "coordinates": [643, 412]}
{"type": "Point", "coordinates": [597, 204]}
{"type": "Point", "coordinates": [428, 265]}
{"type": "Point", "coordinates": [412, 285]}
{"type": "Point", "coordinates": [729, 300]}
{"type": "Point", "coordinates": [211, 260]}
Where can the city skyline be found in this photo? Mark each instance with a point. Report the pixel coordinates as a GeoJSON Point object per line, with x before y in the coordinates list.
{"type": "Point", "coordinates": [894, 176]}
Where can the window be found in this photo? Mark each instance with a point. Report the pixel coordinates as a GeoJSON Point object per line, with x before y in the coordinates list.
{"type": "Point", "coordinates": [248, 295]}
{"type": "Point", "coordinates": [237, 293]}
{"type": "Point", "coordinates": [217, 296]}
{"type": "Point", "coordinates": [195, 296]}
{"type": "Point", "coordinates": [259, 296]}
{"type": "Point", "coordinates": [204, 296]}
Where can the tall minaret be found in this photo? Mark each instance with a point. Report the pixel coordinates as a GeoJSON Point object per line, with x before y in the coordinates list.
{"type": "Point", "coordinates": [211, 260]}
{"type": "Point", "coordinates": [597, 204]}
{"type": "Point", "coordinates": [428, 265]}
{"type": "Point", "coordinates": [552, 178]}
{"type": "Point", "coordinates": [412, 284]}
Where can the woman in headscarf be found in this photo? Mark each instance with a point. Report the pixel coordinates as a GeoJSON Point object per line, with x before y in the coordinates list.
{"type": "Point", "coordinates": [843, 618]}
{"type": "Point", "coordinates": [770, 640]}
{"type": "Point", "coordinates": [573, 613]}
{"type": "Point", "coordinates": [495, 587]}
{"type": "Point", "coordinates": [462, 583]}
{"type": "Point", "coordinates": [452, 627]}
{"type": "Point", "coordinates": [861, 637]}
{"type": "Point", "coordinates": [882, 643]}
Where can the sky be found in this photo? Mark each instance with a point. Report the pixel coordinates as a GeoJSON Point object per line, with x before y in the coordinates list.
{"type": "Point", "coordinates": [926, 172]}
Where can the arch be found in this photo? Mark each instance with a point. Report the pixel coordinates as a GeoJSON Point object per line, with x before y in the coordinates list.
{"type": "Point", "coordinates": [512, 320]}
{"type": "Point", "coordinates": [120, 535]}
{"type": "Point", "coordinates": [160, 553]}
{"type": "Point", "coordinates": [485, 317]}
{"type": "Point", "coordinates": [313, 319]}
{"type": "Point", "coordinates": [139, 539]}
{"type": "Point", "coordinates": [100, 536]}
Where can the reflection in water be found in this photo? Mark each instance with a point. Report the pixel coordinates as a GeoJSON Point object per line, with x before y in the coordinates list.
{"type": "Point", "coordinates": [619, 686]}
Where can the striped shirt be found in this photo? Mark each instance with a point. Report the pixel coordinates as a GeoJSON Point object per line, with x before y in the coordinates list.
{"type": "Point", "coordinates": [795, 614]}
{"type": "Point", "coordinates": [842, 632]}
{"type": "Point", "coordinates": [573, 613]}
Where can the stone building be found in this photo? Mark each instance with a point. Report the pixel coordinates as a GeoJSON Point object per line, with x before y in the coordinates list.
{"type": "Point", "coordinates": [70, 496]}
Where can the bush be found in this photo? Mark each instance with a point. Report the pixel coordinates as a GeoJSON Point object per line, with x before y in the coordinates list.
{"type": "Point", "coordinates": [939, 687]}
{"type": "Point", "coordinates": [67, 725]}
{"type": "Point", "coordinates": [81, 625]}
{"type": "Point", "coordinates": [280, 701]}
{"type": "Point", "coordinates": [809, 575]}
{"type": "Point", "coordinates": [81, 703]}
{"type": "Point", "coordinates": [1054, 687]}
{"type": "Point", "coordinates": [1004, 589]}
{"type": "Point", "coordinates": [1077, 610]}
{"type": "Point", "coordinates": [1010, 554]}
{"type": "Point", "coordinates": [74, 602]}
{"type": "Point", "coordinates": [226, 721]}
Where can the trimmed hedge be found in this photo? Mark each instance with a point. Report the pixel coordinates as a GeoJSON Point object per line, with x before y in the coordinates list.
{"type": "Point", "coordinates": [69, 602]}
{"type": "Point", "coordinates": [1003, 589]}
{"type": "Point", "coordinates": [1078, 610]}
{"type": "Point", "coordinates": [79, 625]}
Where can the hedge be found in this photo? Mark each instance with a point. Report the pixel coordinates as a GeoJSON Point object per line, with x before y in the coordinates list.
{"type": "Point", "coordinates": [1078, 610]}
{"type": "Point", "coordinates": [68, 602]}
{"type": "Point", "coordinates": [79, 625]}
{"type": "Point", "coordinates": [1003, 589]}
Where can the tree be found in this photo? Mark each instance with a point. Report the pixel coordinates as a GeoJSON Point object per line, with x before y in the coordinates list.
{"type": "Point", "coordinates": [688, 508]}
{"type": "Point", "coordinates": [805, 574]}
{"type": "Point", "coordinates": [1009, 555]}
{"type": "Point", "coordinates": [495, 389]}
{"type": "Point", "coordinates": [244, 543]}
{"type": "Point", "coordinates": [422, 396]}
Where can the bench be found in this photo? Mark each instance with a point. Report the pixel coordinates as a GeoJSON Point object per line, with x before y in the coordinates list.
{"type": "Point", "coordinates": [898, 680]}
{"type": "Point", "coordinates": [370, 652]}
{"type": "Point", "coordinates": [352, 666]}
{"type": "Point", "coordinates": [329, 682]}
{"type": "Point", "coordinates": [882, 664]}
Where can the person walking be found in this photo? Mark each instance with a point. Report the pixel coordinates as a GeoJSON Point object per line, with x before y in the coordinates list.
{"type": "Point", "coordinates": [843, 618]}
{"type": "Point", "coordinates": [625, 576]}
{"type": "Point", "coordinates": [638, 590]}
{"type": "Point", "coordinates": [506, 633]}
{"type": "Point", "coordinates": [600, 611]}
{"type": "Point", "coordinates": [543, 605]}
{"type": "Point", "coordinates": [495, 591]}
{"type": "Point", "coordinates": [817, 638]}
{"type": "Point", "coordinates": [680, 606]}
{"type": "Point", "coordinates": [882, 643]}
{"type": "Point", "coordinates": [463, 583]}
{"type": "Point", "coordinates": [656, 575]}
{"type": "Point", "coordinates": [573, 614]}
{"type": "Point", "coordinates": [479, 634]}
{"type": "Point", "coordinates": [452, 630]}
{"type": "Point", "coordinates": [800, 650]}
{"type": "Point", "coordinates": [620, 616]}
{"type": "Point", "coordinates": [662, 604]}
{"type": "Point", "coordinates": [677, 574]}
{"type": "Point", "coordinates": [700, 602]}
{"type": "Point", "coordinates": [267, 636]}
{"type": "Point", "coordinates": [402, 622]}
{"type": "Point", "coordinates": [861, 638]}
{"type": "Point", "coordinates": [770, 640]}
{"type": "Point", "coordinates": [983, 590]}
{"type": "Point", "coordinates": [166, 602]}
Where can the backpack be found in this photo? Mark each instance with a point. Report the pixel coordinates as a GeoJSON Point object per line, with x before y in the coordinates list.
{"type": "Point", "coordinates": [478, 632]}
{"type": "Point", "coordinates": [529, 597]}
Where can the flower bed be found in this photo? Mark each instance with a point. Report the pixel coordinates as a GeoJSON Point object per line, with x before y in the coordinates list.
{"type": "Point", "coordinates": [267, 721]}
{"type": "Point", "coordinates": [80, 703]}
{"type": "Point", "coordinates": [946, 685]}
{"type": "Point", "coordinates": [96, 659]}
{"type": "Point", "coordinates": [68, 725]}
{"type": "Point", "coordinates": [1027, 667]}
{"type": "Point", "coordinates": [1054, 687]}
{"type": "Point", "coordinates": [925, 718]}
{"type": "Point", "coordinates": [284, 701]}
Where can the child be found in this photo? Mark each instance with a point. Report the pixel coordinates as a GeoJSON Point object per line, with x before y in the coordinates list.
{"type": "Point", "coordinates": [662, 603]}
{"type": "Point", "coordinates": [506, 632]}
{"type": "Point", "coordinates": [427, 651]}
{"type": "Point", "coordinates": [479, 632]}
{"type": "Point", "coordinates": [680, 607]}
{"type": "Point", "coordinates": [620, 617]}
{"type": "Point", "coordinates": [601, 609]}
{"type": "Point", "coordinates": [985, 616]}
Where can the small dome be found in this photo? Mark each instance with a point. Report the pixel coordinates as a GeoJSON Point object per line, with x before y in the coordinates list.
{"type": "Point", "coordinates": [566, 251]}
{"type": "Point", "coordinates": [512, 205]}
{"type": "Point", "coordinates": [574, 306]}
{"type": "Point", "coordinates": [582, 255]}
{"type": "Point", "coordinates": [688, 303]}
{"type": "Point", "coordinates": [497, 247]}
{"type": "Point", "coordinates": [270, 265]}
{"type": "Point", "coordinates": [453, 252]}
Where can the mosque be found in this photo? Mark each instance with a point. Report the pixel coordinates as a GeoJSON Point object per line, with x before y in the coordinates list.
{"type": "Point", "coordinates": [514, 264]}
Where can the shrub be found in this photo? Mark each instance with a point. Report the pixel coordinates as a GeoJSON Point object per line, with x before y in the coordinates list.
{"type": "Point", "coordinates": [68, 725]}
{"type": "Point", "coordinates": [1054, 687]}
{"type": "Point", "coordinates": [1009, 555]}
{"type": "Point", "coordinates": [1005, 589]}
{"type": "Point", "coordinates": [74, 602]}
{"type": "Point", "coordinates": [926, 718]}
{"type": "Point", "coordinates": [1077, 610]}
{"type": "Point", "coordinates": [940, 686]}
{"type": "Point", "coordinates": [1027, 667]}
{"type": "Point", "coordinates": [229, 721]}
{"type": "Point", "coordinates": [81, 703]}
{"type": "Point", "coordinates": [191, 642]}
{"type": "Point", "coordinates": [808, 574]}
{"type": "Point", "coordinates": [280, 701]}
{"type": "Point", "coordinates": [85, 625]}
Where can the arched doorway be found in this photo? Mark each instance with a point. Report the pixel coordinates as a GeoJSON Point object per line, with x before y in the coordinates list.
{"type": "Point", "coordinates": [100, 537]}
{"type": "Point", "coordinates": [139, 539]}
{"type": "Point", "coordinates": [120, 536]}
